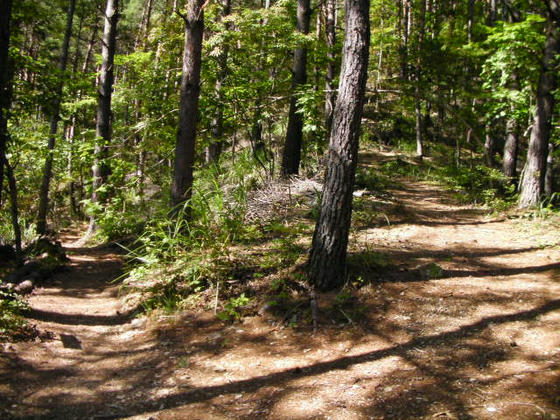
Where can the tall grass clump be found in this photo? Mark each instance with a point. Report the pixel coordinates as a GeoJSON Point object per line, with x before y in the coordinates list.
{"type": "Point", "coordinates": [184, 252]}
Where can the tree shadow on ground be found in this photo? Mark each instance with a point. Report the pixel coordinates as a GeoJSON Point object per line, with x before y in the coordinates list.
{"type": "Point", "coordinates": [431, 352]}
{"type": "Point", "coordinates": [411, 265]}
{"type": "Point", "coordinates": [445, 372]}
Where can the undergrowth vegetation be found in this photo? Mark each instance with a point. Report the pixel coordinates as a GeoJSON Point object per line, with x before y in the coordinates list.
{"type": "Point", "coordinates": [218, 260]}
{"type": "Point", "coordinates": [13, 325]}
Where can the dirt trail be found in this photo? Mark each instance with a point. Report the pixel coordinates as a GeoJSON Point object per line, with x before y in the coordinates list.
{"type": "Point", "coordinates": [479, 340]}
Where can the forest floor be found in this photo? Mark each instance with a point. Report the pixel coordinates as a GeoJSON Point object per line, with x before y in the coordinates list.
{"type": "Point", "coordinates": [461, 322]}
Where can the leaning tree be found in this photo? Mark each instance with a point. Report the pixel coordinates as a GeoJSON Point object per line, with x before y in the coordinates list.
{"type": "Point", "coordinates": [327, 262]}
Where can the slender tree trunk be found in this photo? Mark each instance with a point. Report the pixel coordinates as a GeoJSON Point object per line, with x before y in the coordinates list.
{"type": "Point", "coordinates": [70, 136]}
{"type": "Point", "coordinates": [511, 145]}
{"type": "Point", "coordinates": [100, 167]}
{"type": "Point", "coordinates": [14, 206]}
{"type": "Point", "coordinates": [549, 176]}
{"type": "Point", "coordinates": [6, 74]}
{"type": "Point", "coordinates": [140, 44]}
{"type": "Point", "coordinates": [144, 25]}
{"type": "Point", "coordinates": [419, 125]}
{"type": "Point", "coordinates": [470, 21]}
{"type": "Point", "coordinates": [406, 12]}
{"type": "Point", "coordinates": [489, 147]}
{"type": "Point", "coordinates": [55, 117]}
{"type": "Point", "coordinates": [291, 156]}
{"type": "Point", "coordinates": [214, 149]}
{"type": "Point", "coordinates": [532, 180]}
{"type": "Point", "coordinates": [330, 94]}
{"type": "Point", "coordinates": [257, 142]}
{"type": "Point", "coordinates": [181, 189]}
{"type": "Point", "coordinates": [327, 262]}
{"type": "Point", "coordinates": [510, 149]}
{"type": "Point", "coordinates": [91, 45]}
{"type": "Point", "coordinates": [493, 15]}
{"type": "Point", "coordinates": [77, 187]}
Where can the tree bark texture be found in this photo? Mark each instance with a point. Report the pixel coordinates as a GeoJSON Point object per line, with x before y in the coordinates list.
{"type": "Point", "coordinates": [181, 189]}
{"type": "Point", "coordinates": [327, 262]}
{"type": "Point", "coordinates": [532, 180]}
{"type": "Point", "coordinates": [5, 82]}
{"type": "Point", "coordinates": [291, 156]}
{"type": "Point", "coordinates": [100, 168]}
{"type": "Point", "coordinates": [330, 33]}
{"type": "Point", "coordinates": [55, 118]}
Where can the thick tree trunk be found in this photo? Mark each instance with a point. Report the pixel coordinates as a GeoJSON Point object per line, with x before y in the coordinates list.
{"type": "Point", "coordinates": [5, 82]}
{"type": "Point", "coordinates": [100, 169]}
{"type": "Point", "coordinates": [532, 180]}
{"type": "Point", "coordinates": [181, 189]}
{"type": "Point", "coordinates": [327, 262]}
{"type": "Point", "coordinates": [55, 118]}
{"type": "Point", "coordinates": [330, 88]}
{"type": "Point", "coordinates": [291, 156]}
{"type": "Point", "coordinates": [214, 149]}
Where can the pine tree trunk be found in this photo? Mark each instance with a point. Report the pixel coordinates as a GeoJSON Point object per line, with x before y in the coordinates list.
{"type": "Point", "coordinates": [6, 74]}
{"type": "Point", "coordinates": [327, 262]}
{"type": "Point", "coordinates": [100, 169]}
{"type": "Point", "coordinates": [418, 107]}
{"type": "Point", "coordinates": [55, 118]}
{"type": "Point", "coordinates": [532, 180]}
{"type": "Point", "coordinates": [181, 189]}
{"type": "Point", "coordinates": [330, 94]}
{"type": "Point", "coordinates": [291, 156]}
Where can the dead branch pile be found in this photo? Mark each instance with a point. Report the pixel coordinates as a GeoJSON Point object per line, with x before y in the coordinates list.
{"type": "Point", "coordinates": [278, 197]}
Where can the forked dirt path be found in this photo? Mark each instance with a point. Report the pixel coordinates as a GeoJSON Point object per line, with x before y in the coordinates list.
{"type": "Point", "coordinates": [481, 340]}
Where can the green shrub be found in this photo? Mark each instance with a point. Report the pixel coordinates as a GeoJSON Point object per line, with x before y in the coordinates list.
{"type": "Point", "coordinates": [372, 179]}
{"type": "Point", "coordinates": [12, 323]}
{"type": "Point", "coordinates": [233, 307]}
{"type": "Point", "coordinates": [480, 185]}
